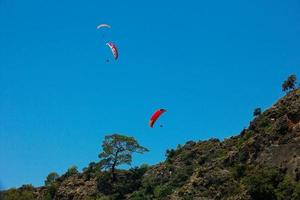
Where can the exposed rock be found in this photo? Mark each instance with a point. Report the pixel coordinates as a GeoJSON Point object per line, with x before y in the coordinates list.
{"type": "Point", "coordinates": [206, 170]}
{"type": "Point", "coordinates": [75, 188]}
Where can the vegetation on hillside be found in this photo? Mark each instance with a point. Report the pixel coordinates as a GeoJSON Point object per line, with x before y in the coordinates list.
{"type": "Point", "coordinates": [261, 163]}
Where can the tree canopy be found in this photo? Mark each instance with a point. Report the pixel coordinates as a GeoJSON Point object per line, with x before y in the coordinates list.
{"type": "Point", "coordinates": [290, 83]}
{"type": "Point", "coordinates": [257, 112]}
{"type": "Point", "coordinates": [118, 150]}
{"type": "Point", "coordinates": [51, 178]}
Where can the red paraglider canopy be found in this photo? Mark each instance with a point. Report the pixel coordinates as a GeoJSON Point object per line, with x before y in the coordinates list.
{"type": "Point", "coordinates": [155, 116]}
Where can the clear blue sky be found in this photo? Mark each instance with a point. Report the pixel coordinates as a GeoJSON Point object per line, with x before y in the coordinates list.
{"type": "Point", "coordinates": [209, 63]}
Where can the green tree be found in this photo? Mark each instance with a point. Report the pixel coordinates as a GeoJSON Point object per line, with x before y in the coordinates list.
{"type": "Point", "coordinates": [290, 83]}
{"type": "Point", "coordinates": [296, 194]}
{"type": "Point", "coordinates": [162, 191]}
{"type": "Point", "coordinates": [51, 178]}
{"type": "Point", "coordinates": [285, 189]}
{"type": "Point", "coordinates": [118, 150]}
{"type": "Point", "coordinates": [262, 183]}
{"type": "Point", "coordinates": [71, 171]}
{"type": "Point", "coordinates": [257, 112]}
{"type": "Point", "coordinates": [26, 192]}
{"type": "Point", "coordinates": [11, 194]}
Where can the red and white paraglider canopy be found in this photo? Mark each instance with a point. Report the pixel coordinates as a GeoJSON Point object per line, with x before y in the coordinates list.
{"type": "Point", "coordinates": [113, 49]}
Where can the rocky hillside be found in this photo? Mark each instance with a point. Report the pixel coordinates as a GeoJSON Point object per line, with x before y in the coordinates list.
{"type": "Point", "coordinates": [262, 162]}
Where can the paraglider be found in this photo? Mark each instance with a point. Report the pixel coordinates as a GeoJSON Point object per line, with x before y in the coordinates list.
{"type": "Point", "coordinates": [155, 116]}
{"type": "Point", "coordinates": [113, 49]}
{"type": "Point", "coordinates": [103, 25]}
{"type": "Point", "coordinates": [112, 46]}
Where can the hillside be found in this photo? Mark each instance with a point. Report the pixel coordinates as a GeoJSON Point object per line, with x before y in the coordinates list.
{"type": "Point", "coordinates": [262, 162]}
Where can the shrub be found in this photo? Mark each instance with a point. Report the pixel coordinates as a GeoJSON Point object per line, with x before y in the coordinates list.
{"type": "Point", "coordinates": [23, 193]}
{"type": "Point", "coordinates": [296, 193]}
{"type": "Point", "coordinates": [104, 183]}
{"type": "Point", "coordinates": [262, 183]}
{"type": "Point", "coordinates": [290, 83]}
{"type": "Point", "coordinates": [257, 112]}
{"type": "Point", "coordinates": [51, 178]}
{"type": "Point", "coordinates": [170, 154]}
{"type": "Point", "coordinates": [181, 175]}
{"type": "Point", "coordinates": [140, 195]}
{"type": "Point", "coordinates": [239, 171]}
{"type": "Point", "coordinates": [162, 191]}
{"type": "Point", "coordinates": [72, 171]}
{"type": "Point", "coordinates": [52, 189]}
{"type": "Point", "coordinates": [285, 189]}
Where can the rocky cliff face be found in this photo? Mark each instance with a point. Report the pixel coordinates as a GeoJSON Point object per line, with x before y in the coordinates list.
{"type": "Point", "coordinates": [262, 162]}
{"type": "Point", "coordinates": [219, 170]}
